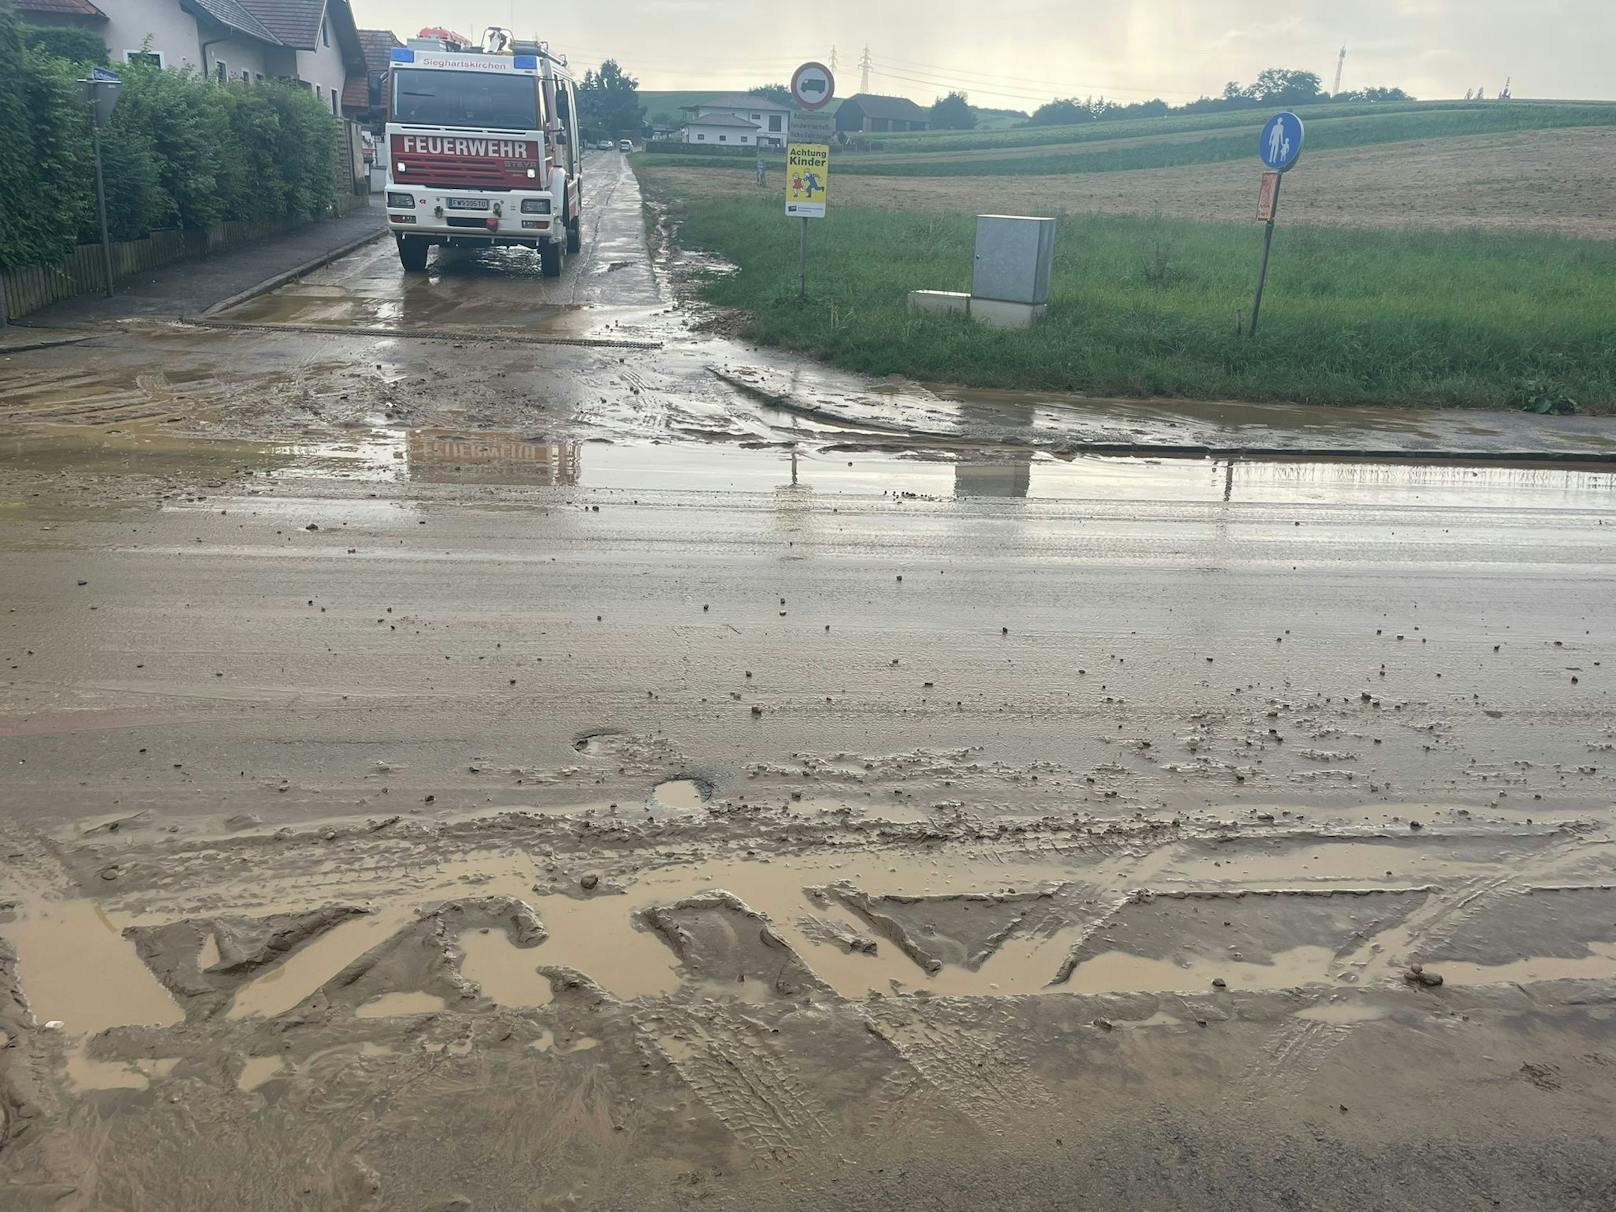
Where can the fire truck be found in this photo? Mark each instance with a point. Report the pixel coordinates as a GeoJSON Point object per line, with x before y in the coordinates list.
{"type": "Point", "coordinates": [482, 150]}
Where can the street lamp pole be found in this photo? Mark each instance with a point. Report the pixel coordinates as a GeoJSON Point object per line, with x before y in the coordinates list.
{"type": "Point", "coordinates": [101, 204]}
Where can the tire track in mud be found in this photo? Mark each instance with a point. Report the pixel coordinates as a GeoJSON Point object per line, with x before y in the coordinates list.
{"type": "Point", "coordinates": [753, 1089]}
{"type": "Point", "coordinates": [971, 1069]}
{"type": "Point", "coordinates": [1297, 1049]}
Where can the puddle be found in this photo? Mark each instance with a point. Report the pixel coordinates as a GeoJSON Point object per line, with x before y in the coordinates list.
{"type": "Point", "coordinates": [1600, 966]}
{"type": "Point", "coordinates": [681, 794]}
{"type": "Point", "coordinates": [1342, 1014]}
{"type": "Point", "coordinates": [258, 1070]}
{"type": "Point", "coordinates": [1120, 972]}
{"type": "Point", "coordinates": [580, 1043]}
{"type": "Point", "coordinates": [1155, 1020]}
{"type": "Point", "coordinates": [508, 974]}
{"type": "Point", "coordinates": [86, 1074]}
{"type": "Point", "coordinates": [279, 989]}
{"type": "Point", "coordinates": [1021, 942]}
{"type": "Point", "coordinates": [77, 968]}
{"type": "Point", "coordinates": [806, 468]}
{"type": "Point", "coordinates": [1355, 863]}
{"type": "Point", "coordinates": [401, 1005]}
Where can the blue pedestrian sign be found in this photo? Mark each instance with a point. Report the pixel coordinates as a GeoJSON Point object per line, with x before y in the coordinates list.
{"type": "Point", "coordinates": [1281, 144]}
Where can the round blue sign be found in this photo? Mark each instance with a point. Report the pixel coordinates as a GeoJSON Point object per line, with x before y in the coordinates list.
{"type": "Point", "coordinates": [1281, 143]}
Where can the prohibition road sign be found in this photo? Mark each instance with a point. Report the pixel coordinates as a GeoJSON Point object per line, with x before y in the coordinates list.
{"type": "Point", "coordinates": [812, 86]}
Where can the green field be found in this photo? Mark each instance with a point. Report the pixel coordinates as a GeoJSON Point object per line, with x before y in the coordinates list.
{"type": "Point", "coordinates": [1172, 142]}
{"type": "Point", "coordinates": [1150, 307]}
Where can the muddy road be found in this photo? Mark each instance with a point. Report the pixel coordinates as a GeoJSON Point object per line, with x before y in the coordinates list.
{"type": "Point", "coordinates": [481, 743]}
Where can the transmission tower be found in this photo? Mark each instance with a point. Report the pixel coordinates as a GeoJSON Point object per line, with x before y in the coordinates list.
{"type": "Point", "coordinates": [864, 66]}
{"type": "Point", "coordinates": [1340, 66]}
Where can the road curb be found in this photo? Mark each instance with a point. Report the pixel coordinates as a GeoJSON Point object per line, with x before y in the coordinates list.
{"type": "Point", "coordinates": [909, 438]}
{"type": "Point", "coordinates": [45, 343]}
{"type": "Point", "coordinates": [281, 279]}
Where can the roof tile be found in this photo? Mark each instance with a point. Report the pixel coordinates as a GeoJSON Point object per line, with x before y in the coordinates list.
{"type": "Point", "coordinates": [899, 109]}
{"type": "Point", "coordinates": [72, 8]}
{"type": "Point", "coordinates": [293, 22]}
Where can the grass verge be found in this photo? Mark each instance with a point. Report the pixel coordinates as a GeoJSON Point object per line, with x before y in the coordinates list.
{"type": "Point", "coordinates": [1152, 307]}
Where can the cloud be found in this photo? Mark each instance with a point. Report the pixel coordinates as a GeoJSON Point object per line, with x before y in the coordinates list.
{"type": "Point", "coordinates": [1017, 52]}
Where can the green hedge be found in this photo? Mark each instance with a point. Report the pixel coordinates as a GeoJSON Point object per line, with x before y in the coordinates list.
{"type": "Point", "coordinates": [67, 42]}
{"type": "Point", "coordinates": [181, 151]}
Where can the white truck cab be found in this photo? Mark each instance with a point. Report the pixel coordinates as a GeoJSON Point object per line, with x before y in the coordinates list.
{"type": "Point", "coordinates": [482, 149]}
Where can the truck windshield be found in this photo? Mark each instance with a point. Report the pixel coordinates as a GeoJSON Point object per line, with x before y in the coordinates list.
{"type": "Point", "coordinates": [477, 99]}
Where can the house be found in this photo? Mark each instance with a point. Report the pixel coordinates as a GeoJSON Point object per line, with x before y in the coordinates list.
{"type": "Point", "coordinates": [313, 41]}
{"type": "Point", "coordinates": [738, 119]}
{"type": "Point", "coordinates": [364, 98]}
{"type": "Point", "coordinates": [870, 113]}
{"type": "Point", "coordinates": [79, 14]}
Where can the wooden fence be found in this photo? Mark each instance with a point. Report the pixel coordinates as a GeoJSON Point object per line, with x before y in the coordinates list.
{"type": "Point", "coordinates": [32, 287]}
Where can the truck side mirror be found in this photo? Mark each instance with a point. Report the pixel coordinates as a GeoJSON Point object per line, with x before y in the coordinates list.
{"type": "Point", "coordinates": [561, 138]}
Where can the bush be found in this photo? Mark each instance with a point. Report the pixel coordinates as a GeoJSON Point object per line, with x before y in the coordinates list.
{"type": "Point", "coordinates": [180, 151]}
{"type": "Point", "coordinates": [74, 45]}
{"type": "Point", "coordinates": [47, 183]}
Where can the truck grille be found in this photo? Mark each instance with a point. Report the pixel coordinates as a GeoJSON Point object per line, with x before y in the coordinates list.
{"type": "Point", "coordinates": [455, 173]}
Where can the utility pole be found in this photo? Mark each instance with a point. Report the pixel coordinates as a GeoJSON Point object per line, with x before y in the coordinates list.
{"type": "Point", "coordinates": [833, 60]}
{"type": "Point", "coordinates": [1340, 65]}
{"type": "Point", "coordinates": [864, 65]}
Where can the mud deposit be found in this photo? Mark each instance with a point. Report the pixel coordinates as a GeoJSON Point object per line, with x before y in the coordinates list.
{"type": "Point", "coordinates": [536, 777]}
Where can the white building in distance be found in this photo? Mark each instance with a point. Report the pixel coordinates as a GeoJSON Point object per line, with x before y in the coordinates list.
{"type": "Point", "coordinates": [738, 120]}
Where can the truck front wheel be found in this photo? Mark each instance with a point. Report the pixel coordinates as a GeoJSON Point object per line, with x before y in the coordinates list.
{"type": "Point", "coordinates": [575, 236]}
{"type": "Point", "coordinates": [412, 253]}
{"type": "Point", "coordinates": [550, 260]}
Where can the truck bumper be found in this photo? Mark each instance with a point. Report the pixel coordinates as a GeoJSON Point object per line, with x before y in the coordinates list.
{"type": "Point", "coordinates": [474, 216]}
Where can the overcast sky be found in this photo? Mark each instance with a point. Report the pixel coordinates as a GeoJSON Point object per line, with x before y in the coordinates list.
{"type": "Point", "coordinates": [1017, 53]}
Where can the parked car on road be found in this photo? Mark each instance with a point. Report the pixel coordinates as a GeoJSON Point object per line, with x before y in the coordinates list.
{"type": "Point", "coordinates": [625, 145]}
{"type": "Point", "coordinates": [604, 145]}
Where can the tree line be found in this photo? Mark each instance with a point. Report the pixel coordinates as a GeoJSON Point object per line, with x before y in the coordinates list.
{"type": "Point", "coordinates": [1277, 86]}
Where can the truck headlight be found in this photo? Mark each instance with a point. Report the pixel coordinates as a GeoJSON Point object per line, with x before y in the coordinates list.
{"type": "Point", "coordinates": [535, 206]}
{"type": "Point", "coordinates": [401, 201]}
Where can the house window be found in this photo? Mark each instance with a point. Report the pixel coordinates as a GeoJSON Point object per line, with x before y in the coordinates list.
{"type": "Point", "coordinates": [325, 31]}
{"type": "Point", "coordinates": [774, 123]}
{"type": "Point", "coordinates": [745, 139]}
{"type": "Point", "coordinates": [221, 71]}
{"type": "Point", "coordinates": [701, 138]}
{"type": "Point", "coordinates": [335, 107]}
{"type": "Point", "coordinates": [151, 58]}
{"type": "Point", "coordinates": [755, 117]}
{"type": "Point", "coordinates": [246, 76]}
{"type": "Point", "coordinates": [258, 77]}
{"type": "Point", "coordinates": [723, 138]}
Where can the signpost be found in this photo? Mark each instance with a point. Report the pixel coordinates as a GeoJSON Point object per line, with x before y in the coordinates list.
{"type": "Point", "coordinates": [1280, 147]}
{"type": "Point", "coordinates": [101, 94]}
{"type": "Point", "coordinates": [808, 156]}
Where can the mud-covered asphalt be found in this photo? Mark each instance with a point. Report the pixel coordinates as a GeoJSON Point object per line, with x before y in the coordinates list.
{"type": "Point", "coordinates": [494, 761]}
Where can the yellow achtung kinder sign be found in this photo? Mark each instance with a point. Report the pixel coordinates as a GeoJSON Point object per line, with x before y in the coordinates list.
{"type": "Point", "coordinates": [807, 180]}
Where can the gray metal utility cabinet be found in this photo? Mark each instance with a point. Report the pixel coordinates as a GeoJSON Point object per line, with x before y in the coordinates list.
{"type": "Point", "coordinates": [1014, 256]}
{"type": "Point", "coordinates": [1010, 277]}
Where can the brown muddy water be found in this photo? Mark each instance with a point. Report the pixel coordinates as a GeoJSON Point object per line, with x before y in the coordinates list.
{"type": "Point", "coordinates": [465, 774]}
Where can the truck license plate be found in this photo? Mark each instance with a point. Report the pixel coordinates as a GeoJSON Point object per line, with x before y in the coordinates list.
{"type": "Point", "coordinates": [468, 203]}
